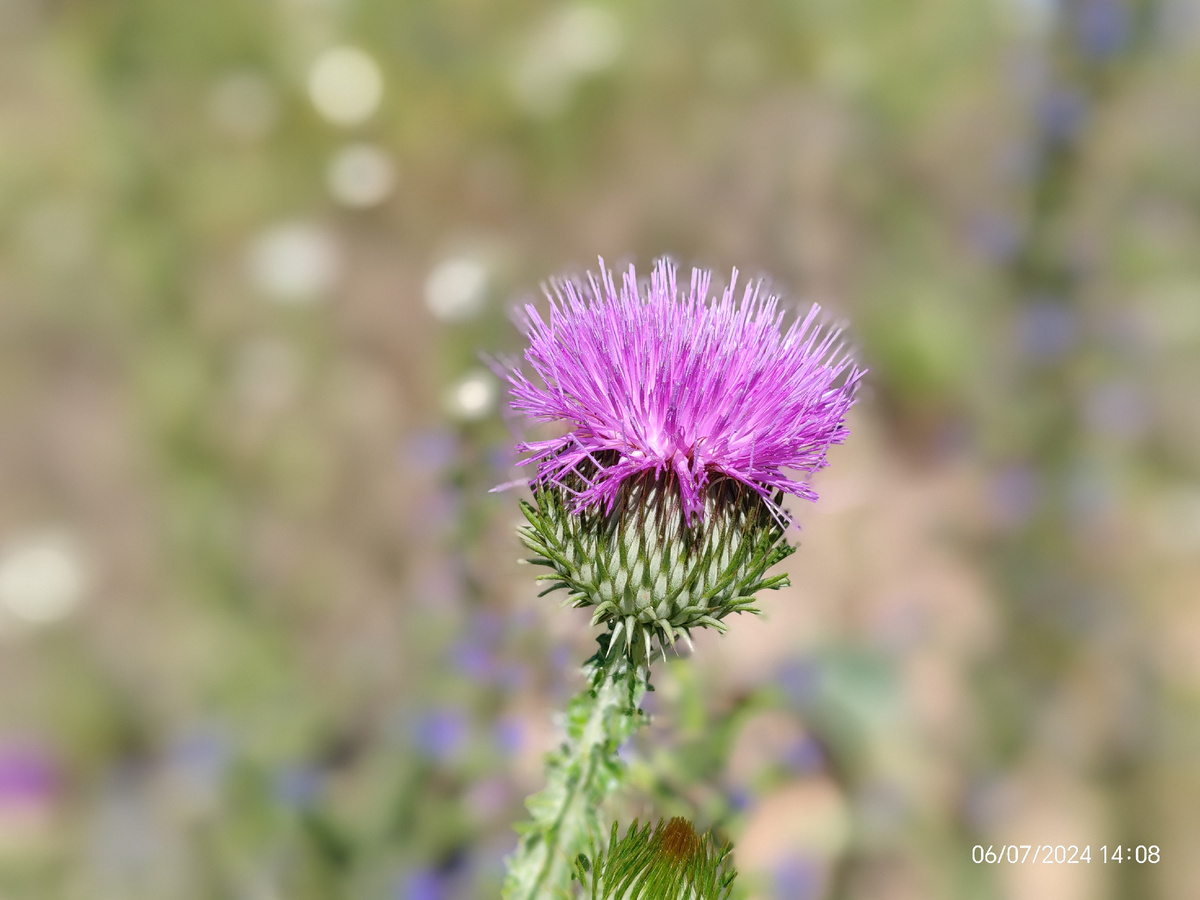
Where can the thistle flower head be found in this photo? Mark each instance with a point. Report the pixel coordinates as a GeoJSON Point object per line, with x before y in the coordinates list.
{"type": "Point", "coordinates": [688, 420]}
{"type": "Point", "coordinates": [654, 379]}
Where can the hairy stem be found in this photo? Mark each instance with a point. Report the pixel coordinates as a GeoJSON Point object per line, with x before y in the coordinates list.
{"type": "Point", "coordinates": [580, 774]}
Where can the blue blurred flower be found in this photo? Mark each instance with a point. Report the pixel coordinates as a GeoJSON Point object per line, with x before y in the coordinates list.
{"type": "Point", "coordinates": [501, 459]}
{"type": "Point", "coordinates": [1046, 329]}
{"type": "Point", "coordinates": [995, 236]}
{"type": "Point", "coordinates": [1061, 115]}
{"type": "Point", "coordinates": [797, 878]}
{"type": "Point", "coordinates": [738, 798]}
{"type": "Point", "coordinates": [197, 762]}
{"type": "Point", "coordinates": [800, 680]}
{"type": "Point", "coordinates": [805, 755]}
{"type": "Point", "coordinates": [440, 733]}
{"type": "Point", "coordinates": [1014, 494]}
{"type": "Point", "coordinates": [201, 754]}
{"type": "Point", "coordinates": [560, 657]}
{"type": "Point", "coordinates": [475, 653]}
{"type": "Point", "coordinates": [473, 658]}
{"type": "Point", "coordinates": [296, 786]}
{"type": "Point", "coordinates": [1102, 27]}
{"type": "Point", "coordinates": [423, 884]}
{"type": "Point", "coordinates": [507, 734]}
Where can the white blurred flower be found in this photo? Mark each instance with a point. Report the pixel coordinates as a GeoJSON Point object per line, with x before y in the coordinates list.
{"type": "Point", "coordinates": [576, 41]}
{"type": "Point", "coordinates": [473, 397]}
{"type": "Point", "coordinates": [345, 84]}
{"type": "Point", "coordinates": [42, 577]}
{"type": "Point", "coordinates": [456, 289]}
{"type": "Point", "coordinates": [244, 105]}
{"type": "Point", "coordinates": [360, 175]}
{"type": "Point", "coordinates": [587, 38]}
{"type": "Point", "coordinates": [294, 262]}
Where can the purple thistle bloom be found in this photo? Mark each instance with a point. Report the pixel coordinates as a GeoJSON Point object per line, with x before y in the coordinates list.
{"type": "Point", "coordinates": [655, 380]}
{"type": "Point", "coordinates": [28, 775]}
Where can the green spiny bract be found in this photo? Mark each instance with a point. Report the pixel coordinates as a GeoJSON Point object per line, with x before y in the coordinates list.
{"type": "Point", "coordinates": [649, 576]}
{"type": "Point", "coordinates": [670, 862]}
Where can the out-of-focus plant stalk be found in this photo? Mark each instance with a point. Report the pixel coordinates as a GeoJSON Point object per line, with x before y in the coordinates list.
{"type": "Point", "coordinates": [579, 776]}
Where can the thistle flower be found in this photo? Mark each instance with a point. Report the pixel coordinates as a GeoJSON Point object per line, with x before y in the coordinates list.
{"type": "Point", "coordinates": [689, 419]}
{"type": "Point", "coordinates": [655, 380]}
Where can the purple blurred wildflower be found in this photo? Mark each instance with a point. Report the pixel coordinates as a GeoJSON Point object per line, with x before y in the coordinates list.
{"type": "Point", "coordinates": [507, 734]}
{"type": "Point", "coordinates": [997, 237]}
{"type": "Point", "coordinates": [653, 379]}
{"type": "Point", "coordinates": [474, 658]}
{"type": "Point", "coordinates": [1062, 114]}
{"type": "Point", "coordinates": [203, 755]}
{"type": "Point", "coordinates": [440, 733]}
{"type": "Point", "coordinates": [296, 786]}
{"type": "Point", "coordinates": [1015, 492]}
{"type": "Point", "coordinates": [805, 755]}
{"type": "Point", "coordinates": [28, 775]}
{"type": "Point", "coordinates": [796, 878]}
{"type": "Point", "coordinates": [1102, 27]}
{"type": "Point", "coordinates": [423, 884]}
{"type": "Point", "coordinates": [1046, 329]}
{"type": "Point", "coordinates": [800, 680]}
{"type": "Point", "coordinates": [738, 798]}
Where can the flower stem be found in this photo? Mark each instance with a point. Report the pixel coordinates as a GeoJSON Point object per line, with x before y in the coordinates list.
{"type": "Point", "coordinates": [580, 774]}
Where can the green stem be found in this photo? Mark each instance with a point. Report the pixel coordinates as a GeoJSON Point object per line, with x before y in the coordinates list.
{"type": "Point", "coordinates": [579, 776]}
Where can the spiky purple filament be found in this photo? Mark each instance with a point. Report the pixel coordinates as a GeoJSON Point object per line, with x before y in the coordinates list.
{"type": "Point", "coordinates": [677, 384]}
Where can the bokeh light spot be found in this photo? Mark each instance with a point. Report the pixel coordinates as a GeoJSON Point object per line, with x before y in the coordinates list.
{"type": "Point", "coordinates": [345, 85]}
{"type": "Point", "coordinates": [360, 176]}
{"type": "Point", "coordinates": [473, 397]}
{"type": "Point", "coordinates": [456, 289]}
{"type": "Point", "coordinates": [294, 262]}
{"type": "Point", "coordinates": [42, 577]}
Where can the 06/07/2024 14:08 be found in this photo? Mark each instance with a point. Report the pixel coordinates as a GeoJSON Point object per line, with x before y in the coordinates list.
{"type": "Point", "coordinates": [1064, 854]}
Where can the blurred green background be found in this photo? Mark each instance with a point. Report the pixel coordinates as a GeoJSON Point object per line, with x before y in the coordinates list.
{"type": "Point", "coordinates": [263, 634]}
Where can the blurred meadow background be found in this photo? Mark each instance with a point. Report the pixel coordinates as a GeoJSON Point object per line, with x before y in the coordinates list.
{"type": "Point", "coordinates": [263, 634]}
